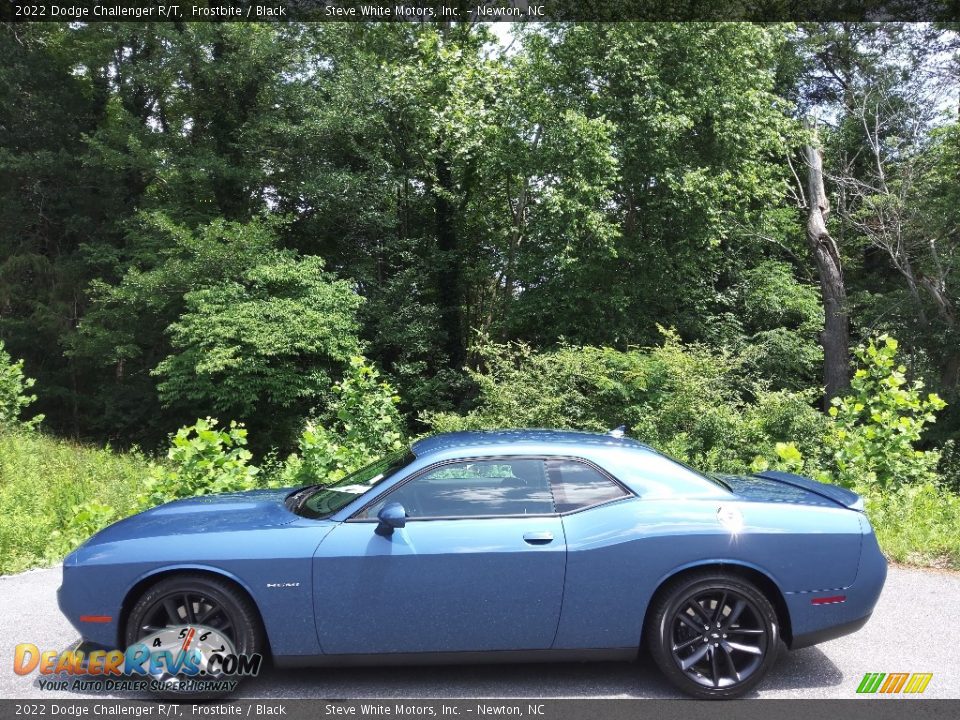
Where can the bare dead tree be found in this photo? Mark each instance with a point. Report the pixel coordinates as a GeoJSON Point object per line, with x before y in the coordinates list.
{"type": "Point", "coordinates": [883, 201]}
{"type": "Point", "coordinates": [835, 337]}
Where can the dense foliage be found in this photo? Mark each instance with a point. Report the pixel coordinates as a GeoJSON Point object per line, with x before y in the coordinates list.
{"type": "Point", "coordinates": [361, 425]}
{"type": "Point", "coordinates": [876, 428]}
{"type": "Point", "coordinates": [204, 459]}
{"type": "Point", "coordinates": [336, 237]}
{"type": "Point", "coordinates": [705, 406]}
{"type": "Point", "coordinates": [55, 493]}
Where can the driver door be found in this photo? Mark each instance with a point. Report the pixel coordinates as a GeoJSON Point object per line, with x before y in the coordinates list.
{"type": "Point", "coordinates": [479, 565]}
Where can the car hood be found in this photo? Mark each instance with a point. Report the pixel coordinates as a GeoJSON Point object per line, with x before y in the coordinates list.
{"type": "Point", "coordinates": [252, 510]}
{"type": "Point", "coordinates": [783, 487]}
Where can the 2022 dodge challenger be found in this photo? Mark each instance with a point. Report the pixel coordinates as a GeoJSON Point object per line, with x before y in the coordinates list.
{"type": "Point", "coordinates": [498, 546]}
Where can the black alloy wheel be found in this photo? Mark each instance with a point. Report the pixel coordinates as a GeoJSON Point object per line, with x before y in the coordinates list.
{"type": "Point", "coordinates": [185, 608]}
{"type": "Point", "coordinates": [193, 599]}
{"type": "Point", "coordinates": [714, 635]}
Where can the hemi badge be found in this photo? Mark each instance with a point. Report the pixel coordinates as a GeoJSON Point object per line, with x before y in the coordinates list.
{"type": "Point", "coordinates": [96, 618]}
{"type": "Point", "coordinates": [832, 600]}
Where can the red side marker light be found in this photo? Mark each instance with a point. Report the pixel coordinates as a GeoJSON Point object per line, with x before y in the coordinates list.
{"type": "Point", "coordinates": [95, 618]}
{"type": "Point", "coordinates": [831, 600]}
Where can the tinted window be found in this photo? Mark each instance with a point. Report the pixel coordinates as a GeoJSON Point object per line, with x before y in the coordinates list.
{"type": "Point", "coordinates": [471, 489]}
{"type": "Point", "coordinates": [577, 485]}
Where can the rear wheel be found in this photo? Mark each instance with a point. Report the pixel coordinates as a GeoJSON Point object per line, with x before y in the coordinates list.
{"type": "Point", "coordinates": [713, 635]}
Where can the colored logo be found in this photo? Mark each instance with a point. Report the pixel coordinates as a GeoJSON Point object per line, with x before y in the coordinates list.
{"type": "Point", "coordinates": [189, 658]}
{"type": "Point", "coordinates": [892, 683]}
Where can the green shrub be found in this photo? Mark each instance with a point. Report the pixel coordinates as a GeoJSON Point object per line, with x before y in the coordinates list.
{"type": "Point", "coordinates": [706, 407]}
{"type": "Point", "coordinates": [361, 425]}
{"type": "Point", "coordinates": [85, 519]}
{"type": "Point", "coordinates": [13, 393]}
{"type": "Point", "coordinates": [581, 388]}
{"type": "Point", "coordinates": [917, 524]}
{"type": "Point", "coordinates": [203, 460]}
{"type": "Point", "coordinates": [875, 428]}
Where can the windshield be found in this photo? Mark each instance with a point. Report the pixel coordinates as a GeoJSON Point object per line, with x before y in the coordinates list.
{"type": "Point", "coordinates": [320, 501]}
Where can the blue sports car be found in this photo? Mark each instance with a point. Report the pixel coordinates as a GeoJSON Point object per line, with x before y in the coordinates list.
{"type": "Point", "coordinates": [497, 546]}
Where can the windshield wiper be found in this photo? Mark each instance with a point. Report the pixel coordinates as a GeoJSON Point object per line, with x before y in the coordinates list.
{"type": "Point", "coordinates": [296, 499]}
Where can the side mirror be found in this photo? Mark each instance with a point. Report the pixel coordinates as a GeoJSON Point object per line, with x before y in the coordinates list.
{"type": "Point", "coordinates": [391, 516]}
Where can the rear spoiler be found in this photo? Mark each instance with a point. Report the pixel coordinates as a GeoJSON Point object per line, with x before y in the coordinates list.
{"type": "Point", "coordinates": [840, 495]}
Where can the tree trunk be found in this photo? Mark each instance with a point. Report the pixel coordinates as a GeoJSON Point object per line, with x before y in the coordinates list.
{"type": "Point", "coordinates": [449, 272]}
{"type": "Point", "coordinates": [950, 374]}
{"type": "Point", "coordinates": [835, 337]}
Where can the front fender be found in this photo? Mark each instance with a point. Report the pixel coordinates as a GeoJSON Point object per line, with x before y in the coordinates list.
{"type": "Point", "coordinates": [272, 565]}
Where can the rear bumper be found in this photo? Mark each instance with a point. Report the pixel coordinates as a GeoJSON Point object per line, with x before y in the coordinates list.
{"type": "Point", "coordinates": [815, 623]}
{"type": "Point", "coordinates": [816, 637]}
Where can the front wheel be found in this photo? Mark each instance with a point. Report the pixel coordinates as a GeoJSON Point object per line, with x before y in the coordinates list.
{"type": "Point", "coordinates": [195, 609]}
{"type": "Point", "coordinates": [713, 635]}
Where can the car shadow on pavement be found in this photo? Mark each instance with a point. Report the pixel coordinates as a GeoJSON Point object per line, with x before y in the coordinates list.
{"type": "Point", "coordinates": [804, 669]}
{"type": "Point", "coordinates": [808, 668]}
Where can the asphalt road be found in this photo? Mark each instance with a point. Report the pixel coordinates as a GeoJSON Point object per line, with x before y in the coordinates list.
{"type": "Point", "coordinates": [915, 628]}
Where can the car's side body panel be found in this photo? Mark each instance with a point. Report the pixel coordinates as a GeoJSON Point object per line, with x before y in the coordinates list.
{"type": "Point", "coordinates": [620, 553]}
{"type": "Point", "coordinates": [273, 565]}
{"type": "Point", "coordinates": [440, 586]}
{"type": "Point", "coordinates": [814, 623]}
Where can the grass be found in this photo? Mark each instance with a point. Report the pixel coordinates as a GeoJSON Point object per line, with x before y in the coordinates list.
{"type": "Point", "coordinates": [917, 524]}
{"type": "Point", "coordinates": [42, 480]}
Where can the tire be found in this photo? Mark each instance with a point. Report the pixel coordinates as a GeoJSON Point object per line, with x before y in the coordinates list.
{"type": "Point", "coordinates": [717, 662]}
{"type": "Point", "coordinates": [235, 616]}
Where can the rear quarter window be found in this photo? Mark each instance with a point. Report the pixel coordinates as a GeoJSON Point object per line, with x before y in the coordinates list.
{"type": "Point", "coordinates": [577, 485]}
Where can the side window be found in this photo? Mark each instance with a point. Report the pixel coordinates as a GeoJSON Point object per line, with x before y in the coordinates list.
{"type": "Point", "coordinates": [469, 489]}
{"type": "Point", "coordinates": [577, 485]}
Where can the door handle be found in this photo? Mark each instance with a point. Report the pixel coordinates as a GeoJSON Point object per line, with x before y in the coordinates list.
{"type": "Point", "coordinates": [538, 538]}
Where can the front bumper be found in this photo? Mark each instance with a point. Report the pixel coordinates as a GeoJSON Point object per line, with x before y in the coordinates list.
{"type": "Point", "coordinates": [85, 609]}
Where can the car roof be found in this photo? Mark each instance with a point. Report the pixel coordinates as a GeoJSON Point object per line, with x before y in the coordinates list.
{"type": "Point", "coordinates": [638, 466]}
{"type": "Point", "coordinates": [491, 442]}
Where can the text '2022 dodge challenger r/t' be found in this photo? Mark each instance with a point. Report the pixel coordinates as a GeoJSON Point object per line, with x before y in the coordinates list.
{"type": "Point", "coordinates": [497, 546]}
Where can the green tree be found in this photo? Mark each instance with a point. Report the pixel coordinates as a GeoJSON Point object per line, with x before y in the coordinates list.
{"type": "Point", "coordinates": [258, 332]}
{"type": "Point", "coordinates": [101, 122]}
{"type": "Point", "coordinates": [700, 137]}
